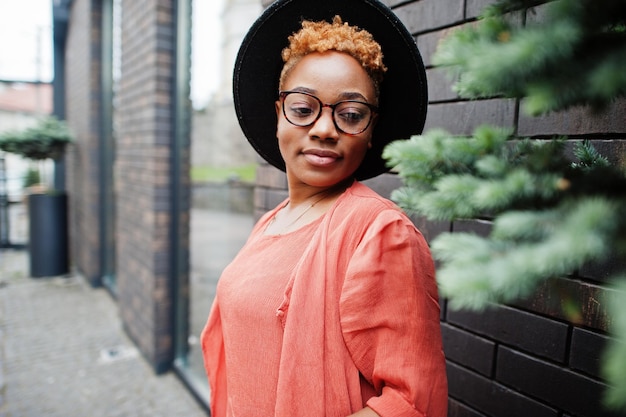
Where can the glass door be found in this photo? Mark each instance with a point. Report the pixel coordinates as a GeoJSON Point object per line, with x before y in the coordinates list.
{"type": "Point", "coordinates": [111, 71]}
{"type": "Point", "coordinates": [222, 173]}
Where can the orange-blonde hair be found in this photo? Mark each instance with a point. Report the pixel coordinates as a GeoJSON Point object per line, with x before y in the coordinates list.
{"type": "Point", "coordinates": [336, 36]}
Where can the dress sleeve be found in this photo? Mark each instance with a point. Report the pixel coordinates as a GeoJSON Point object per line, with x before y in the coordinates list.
{"type": "Point", "coordinates": [390, 319]}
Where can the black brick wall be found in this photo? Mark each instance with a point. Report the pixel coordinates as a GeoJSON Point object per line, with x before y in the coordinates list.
{"type": "Point", "coordinates": [143, 177]}
{"type": "Point", "coordinates": [143, 163]}
{"type": "Point", "coordinates": [83, 116]}
{"type": "Point", "coordinates": [533, 357]}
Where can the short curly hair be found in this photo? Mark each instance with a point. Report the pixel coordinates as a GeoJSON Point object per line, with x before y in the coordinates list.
{"type": "Point", "coordinates": [336, 36]}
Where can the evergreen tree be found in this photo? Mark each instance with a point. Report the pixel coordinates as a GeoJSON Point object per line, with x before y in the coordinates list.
{"type": "Point", "coordinates": [574, 54]}
{"type": "Point", "coordinates": [550, 215]}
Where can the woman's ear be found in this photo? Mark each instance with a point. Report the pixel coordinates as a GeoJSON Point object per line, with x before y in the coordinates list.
{"type": "Point", "coordinates": [277, 106]}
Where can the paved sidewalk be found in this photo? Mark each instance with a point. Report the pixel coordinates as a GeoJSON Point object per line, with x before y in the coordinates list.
{"type": "Point", "coordinates": [63, 353]}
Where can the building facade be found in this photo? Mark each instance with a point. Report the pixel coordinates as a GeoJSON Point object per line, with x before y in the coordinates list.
{"type": "Point", "coordinates": [132, 221]}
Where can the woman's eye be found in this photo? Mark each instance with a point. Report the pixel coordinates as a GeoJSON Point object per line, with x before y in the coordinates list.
{"type": "Point", "coordinates": [301, 110]}
{"type": "Point", "coordinates": [351, 115]}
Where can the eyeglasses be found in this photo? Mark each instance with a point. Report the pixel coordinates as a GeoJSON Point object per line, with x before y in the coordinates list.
{"type": "Point", "coordinates": [349, 116]}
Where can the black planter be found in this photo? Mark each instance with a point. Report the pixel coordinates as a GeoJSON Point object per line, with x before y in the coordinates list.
{"type": "Point", "coordinates": [48, 235]}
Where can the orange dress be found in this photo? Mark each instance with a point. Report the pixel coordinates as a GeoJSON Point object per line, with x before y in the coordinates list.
{"type": "Point", "coordinates": [322, 321]}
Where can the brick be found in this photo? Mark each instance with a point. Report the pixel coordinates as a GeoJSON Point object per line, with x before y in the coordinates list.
{"type": "Point", "coordinates": [393, 3]}
{"type": "Point", "coordinates": [384, 184]}
{"type": "Point", "coordinates": [443, 309]}
{"type": "Point", "coordinates": [586, 351]}
{"type": "Point", "coordinates": [574, 301]}
{"type": "Point", "coordinates": [526, 331]}
{"type": "Point", "coordinates": [430, 229]}
{"type": "Point", "coordinates": [440, 85]}
{"type": "Point", "coordinates": [458, 409]}
{"type": "Point", "coordinates": [427, 15]}
{"type": "Point", "coordinates": [427, 44]}
{"type": "Point", "coordinates": [603, 271]}
{"type": "Point", "coordinates": [462, 118]}
{"type": "Point", "coordinates": [489, 397]}
{"type": "Point", "coordinates": [550, 383]}
{"type": "Point", "coordinates": [576, 121]}
{"type": "Point", "coordinates": [536, 15]}
{"type": "Point", "coordinates": [467, 349]}
{"type": "Point", "coordinates": [474, 8]}
{"type": "Point", "coordinates": [478, 227]}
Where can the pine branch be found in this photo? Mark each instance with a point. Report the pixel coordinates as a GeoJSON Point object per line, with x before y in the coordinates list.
{"type": "Point", "coordinates": [550, 215]}
{"type": "Point", "coordinates": [522, 251]}
{"type": "Point", "coordinates": [574, 57]}
{"type": "Point", "coordinates": [588, 156]}
{"type": "Point", "coordinates": [614, 357]}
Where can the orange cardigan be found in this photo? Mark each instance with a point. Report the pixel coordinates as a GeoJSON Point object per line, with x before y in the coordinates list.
{"type": "Point", "coordinates": [360, 316]}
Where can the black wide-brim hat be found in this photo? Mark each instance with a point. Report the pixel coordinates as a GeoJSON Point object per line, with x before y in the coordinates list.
{"type": "Point", "coordinates": [403, 93]}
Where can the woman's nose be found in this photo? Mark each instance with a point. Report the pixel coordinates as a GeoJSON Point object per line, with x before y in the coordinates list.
{"type": "Point", "coordinates": [324, 127]}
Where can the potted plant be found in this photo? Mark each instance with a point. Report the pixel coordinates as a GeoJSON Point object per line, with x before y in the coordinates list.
{"type": "Point", "coordinates": [47, 209]}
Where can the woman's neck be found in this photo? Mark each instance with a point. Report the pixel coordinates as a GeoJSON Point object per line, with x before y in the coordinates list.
{"type": "Point", "coordinates": [304, 194]}
{"type": "Point", "coordinates": [310, 204]}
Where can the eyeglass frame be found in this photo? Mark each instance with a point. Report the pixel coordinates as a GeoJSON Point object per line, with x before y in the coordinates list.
{"type": "Point", "coordinates": [373, 109]}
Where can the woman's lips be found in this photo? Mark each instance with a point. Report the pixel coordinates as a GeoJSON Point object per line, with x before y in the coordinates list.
{"type": "Point", "coordinates": [320, 157]}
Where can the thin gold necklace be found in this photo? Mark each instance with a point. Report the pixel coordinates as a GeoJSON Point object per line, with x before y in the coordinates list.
{"type": "Point", "coordinates": [303, 212]}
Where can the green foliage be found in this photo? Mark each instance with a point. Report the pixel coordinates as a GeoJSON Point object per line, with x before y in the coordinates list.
{"type": "Point", "coordinates": [31, 178]}
{"type": "Point", "coordinates": [47, 139]}
{"type": "Point", "coordinates": [574, 55]}
{"type": "Point", "coordinates": [524, 249]}
{"type": "Point", "coordinates": [588, 157]}
{"type": "Point", "coordinates": [449, 177]}
{"type": "Point", "coordinates": [614, 357]}
{"type": "Point", "coordinates": [549, 215]}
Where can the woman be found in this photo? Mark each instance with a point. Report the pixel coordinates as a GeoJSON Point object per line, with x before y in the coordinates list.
{"type": "Point", "coordinates": [330, 309]}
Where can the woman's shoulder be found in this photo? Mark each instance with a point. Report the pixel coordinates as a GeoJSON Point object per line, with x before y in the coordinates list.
{"type": "Point", "coordinates": [362, 207]}
{"type": "Point", "coordinates": [360, 197]}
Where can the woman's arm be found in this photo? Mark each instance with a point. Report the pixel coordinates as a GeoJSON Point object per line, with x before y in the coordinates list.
{"type": "Point", "coordinates": [390, 320]}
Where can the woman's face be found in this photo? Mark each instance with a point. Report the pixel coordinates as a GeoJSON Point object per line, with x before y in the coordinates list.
{"type": "Point", "coordinates": [320, 155]}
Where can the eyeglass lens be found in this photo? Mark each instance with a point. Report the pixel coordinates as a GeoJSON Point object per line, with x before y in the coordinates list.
{"type": "Point", "coordinates": [350, 117]}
